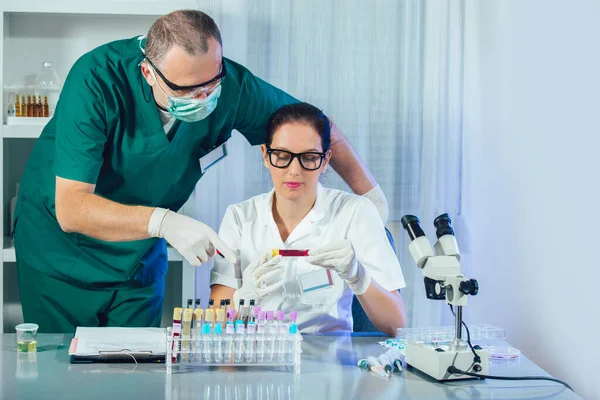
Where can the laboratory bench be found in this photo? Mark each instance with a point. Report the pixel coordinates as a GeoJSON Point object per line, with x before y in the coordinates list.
{"type": "Point", "coordinates": [328, 371]}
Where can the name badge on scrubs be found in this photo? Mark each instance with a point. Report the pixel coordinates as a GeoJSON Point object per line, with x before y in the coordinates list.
{"type": "Point", "coordinates": [320, 279]}
{"type": "Point", "coordinates": [213, 157]}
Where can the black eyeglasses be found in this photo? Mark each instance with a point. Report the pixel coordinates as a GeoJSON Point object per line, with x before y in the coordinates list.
{"type": "Point", "coordinates": [310, 161]}
{"type": "Point", "coordinates": [204, 85]}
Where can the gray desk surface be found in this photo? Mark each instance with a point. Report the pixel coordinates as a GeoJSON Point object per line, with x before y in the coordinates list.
{"type": "Point", "coordinates": [328, 372]}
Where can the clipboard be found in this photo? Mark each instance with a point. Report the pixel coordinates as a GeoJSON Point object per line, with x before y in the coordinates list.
{"type": "Point", "coordinates": [118, 345]}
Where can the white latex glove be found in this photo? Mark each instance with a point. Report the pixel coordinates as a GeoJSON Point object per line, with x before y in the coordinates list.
{"type": "Point", "coordinates": [339, 256]}
{"type": "Point", "coordinates": [261, 278]}
{"type": "Point", "coordinates": [191, 238]}
{"type": "Point", "coordinates": [377, 196]}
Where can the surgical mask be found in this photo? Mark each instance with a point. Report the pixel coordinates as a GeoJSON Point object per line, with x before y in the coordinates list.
{"type": "Point", "coordinates": [188, 109]}
{"type": "Point", "coordinates": [192, 110]}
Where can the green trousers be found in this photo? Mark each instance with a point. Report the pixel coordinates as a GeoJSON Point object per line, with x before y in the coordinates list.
{"type": "Point", "coordinates": [58, 306]}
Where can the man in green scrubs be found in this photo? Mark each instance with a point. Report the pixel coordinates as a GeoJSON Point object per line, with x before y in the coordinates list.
{"type": "Point", "coordinates": [100, 191]}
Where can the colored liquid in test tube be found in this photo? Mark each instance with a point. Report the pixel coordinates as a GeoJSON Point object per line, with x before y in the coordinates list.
{"type": "Point", "coordinates": [177, 313]}
{"type": "Point", "coordinates": [289, 253]}
{"type": "Point", "coordinates": [197, 332]}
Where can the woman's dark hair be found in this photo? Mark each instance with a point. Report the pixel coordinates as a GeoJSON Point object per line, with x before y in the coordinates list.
{"type": "Point", "coordinates": [301, 113]}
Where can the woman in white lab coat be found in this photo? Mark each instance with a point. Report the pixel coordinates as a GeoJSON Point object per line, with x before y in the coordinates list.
{"type": "Point", "coordinates": [349, 252]}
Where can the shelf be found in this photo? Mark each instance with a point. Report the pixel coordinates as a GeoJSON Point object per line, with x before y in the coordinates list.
{"type": "Point", "coordinates": [123, 7]}
{"type": "Point", "coordinates": [22, 131]}
{"type": "Point", "coordinates": [8, 253]}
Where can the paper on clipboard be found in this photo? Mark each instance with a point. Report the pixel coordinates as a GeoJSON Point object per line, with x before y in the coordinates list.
{"type": "Point", "coordinates": [116, 340]}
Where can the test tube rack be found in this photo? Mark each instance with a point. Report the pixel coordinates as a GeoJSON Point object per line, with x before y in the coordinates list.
{"type": "Point", "coordinates": [233, 350]}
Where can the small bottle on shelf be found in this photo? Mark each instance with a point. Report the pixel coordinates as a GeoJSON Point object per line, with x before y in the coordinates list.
{"type": "Point", "coordinates": [23, 107]}
{"type": "Point", "coordinates": [17, 107]}
{"type": "Point", "coordinates": [40, 107]}
{"type": "Point", "coordinates": [33, 107]}
{"type": "Point", "coordinates": [30, 106]}
{"type": "Point", "coordinates": [46, 114]}
{"type": "Point", "coordinates": [10, 108]}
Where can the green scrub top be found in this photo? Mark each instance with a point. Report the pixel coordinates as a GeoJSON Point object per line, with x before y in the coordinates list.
{"type": "Point", "coordinates": [107, 131]}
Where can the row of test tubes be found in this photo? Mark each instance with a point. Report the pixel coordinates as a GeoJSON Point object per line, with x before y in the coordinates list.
{"type": "Point", "coordinates": [256, 337]}
{"type": "Point", "coordinates": [446, 334]}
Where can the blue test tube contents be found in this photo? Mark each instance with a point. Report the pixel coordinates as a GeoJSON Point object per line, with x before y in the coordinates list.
{"type": "Point", "coordinates": [271, 335]}
{"type": "Point", "coordinates": [261, 329]}
{"type": "Point", "coordinates": [218, 343]}
{"type": "Point", "coordinates": [206, 343]}
{"type": "Point", "coordinates": [291, 351]}
{"type": "Point", "coordinates": [238, 352]}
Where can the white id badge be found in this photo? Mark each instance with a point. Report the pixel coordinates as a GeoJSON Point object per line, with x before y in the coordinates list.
{"type": "Point", "coordinates": [213, 157]}
{"type": "Point", "coordinates": [316, 280]}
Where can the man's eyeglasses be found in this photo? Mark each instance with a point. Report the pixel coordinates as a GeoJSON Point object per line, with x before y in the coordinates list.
{"type": "Point", "coordinates": [207, 87]}
{"type": "Point", "coordinates": [310, 161]}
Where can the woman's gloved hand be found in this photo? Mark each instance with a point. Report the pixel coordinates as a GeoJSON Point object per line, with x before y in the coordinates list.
{"type": "Point", "coordinates": [261, 278]}
{"type": "Point", "coordinates": [191, 238]}
{"type": "Point", "coordinates": [339, 256]}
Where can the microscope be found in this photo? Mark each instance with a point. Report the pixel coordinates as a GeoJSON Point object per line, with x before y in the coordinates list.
{"type": "Point", "coordinates": [443, 281]}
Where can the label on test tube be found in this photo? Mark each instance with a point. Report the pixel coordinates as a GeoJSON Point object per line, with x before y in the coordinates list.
{"type": "Point", "coordinates": [176, 328]}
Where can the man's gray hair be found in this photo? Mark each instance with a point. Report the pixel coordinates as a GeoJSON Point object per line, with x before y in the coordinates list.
{"type": "Point", "coordinates": [189, 29]}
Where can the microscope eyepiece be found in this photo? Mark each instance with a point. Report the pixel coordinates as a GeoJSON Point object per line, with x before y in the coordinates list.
{"type": "Point", "coordinates": [442, 226]}
{"type": "Point", "coordinates": [412, 225]}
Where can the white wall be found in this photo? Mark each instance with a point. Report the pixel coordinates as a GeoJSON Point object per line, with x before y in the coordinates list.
{"type": "Point", "coordinates": [532, 140]}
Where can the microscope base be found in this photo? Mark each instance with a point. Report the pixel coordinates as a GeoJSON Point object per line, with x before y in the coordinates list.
{"type": "Point", "coordinates": [434, 363]}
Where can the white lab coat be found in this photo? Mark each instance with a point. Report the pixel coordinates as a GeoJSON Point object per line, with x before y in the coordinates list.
{"type": "Point", "coordinates": [250, 228]}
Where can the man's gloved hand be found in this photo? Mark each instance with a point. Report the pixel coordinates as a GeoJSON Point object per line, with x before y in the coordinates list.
{"type": "Point", "coordinates": [261, 278]}
{"type": "Point", "coordinates": [191, 238]}
{"type": "Point", "coordinates": [339, 256]}
{"type": "Point", "coordinates": [377, 196]}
